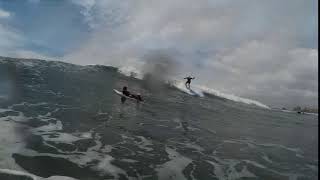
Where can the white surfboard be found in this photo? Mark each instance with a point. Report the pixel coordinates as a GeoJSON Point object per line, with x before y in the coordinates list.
{"type": "Point", "coordinates": [122, 95]}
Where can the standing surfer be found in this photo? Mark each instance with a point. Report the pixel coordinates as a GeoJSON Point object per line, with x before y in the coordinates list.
{"type": "Point", "coordinates": [188, 81]}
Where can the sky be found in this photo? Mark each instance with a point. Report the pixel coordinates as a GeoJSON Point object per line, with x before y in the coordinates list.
{"type": "Point", "coordinates": [265, 50]}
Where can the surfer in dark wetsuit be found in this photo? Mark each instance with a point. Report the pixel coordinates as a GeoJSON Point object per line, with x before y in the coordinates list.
{"type": "Point", "coordinates": [188, 81]}
{"type": "Point", "coordinates": [127, 93]}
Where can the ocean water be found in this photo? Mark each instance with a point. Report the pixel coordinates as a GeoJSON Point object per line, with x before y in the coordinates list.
{"type": "Point", "coordinates": [63, 121]}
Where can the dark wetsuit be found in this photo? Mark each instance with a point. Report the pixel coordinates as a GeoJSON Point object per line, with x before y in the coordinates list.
{"type": "Point", "coordinates": [127, 93]}
{"type": "Point", "coordinates": [188, 81]}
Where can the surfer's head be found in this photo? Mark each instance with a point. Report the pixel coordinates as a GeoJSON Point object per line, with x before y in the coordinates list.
{"type": "Point", "coordinates": [124, 88]}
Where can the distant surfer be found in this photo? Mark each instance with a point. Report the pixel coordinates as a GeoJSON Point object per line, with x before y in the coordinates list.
{"type": "Point", "coordinates": [188, 81]}
{"type": "Point", "coordinates": [127, 93]}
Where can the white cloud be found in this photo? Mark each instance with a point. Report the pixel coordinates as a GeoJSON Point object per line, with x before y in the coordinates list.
{"type": "Point", "coordinates": [87, 6]}
{"type": "Point", "coordinates": [8, 39]}
{"type": "Point", "coordinates": [4, 14]}
{"type": "Point", "coordinates": [11, 44]}
{"type": "Point", "coordinates": [260, 69]}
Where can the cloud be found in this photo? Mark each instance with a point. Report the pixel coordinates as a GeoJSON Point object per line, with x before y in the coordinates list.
{"type": "Point", "coordinates": [87, 6]}
{"type": "Point", "coordinates": [262, 49]}
{"type": "Point", "coordinates": [9, 39]}
{"type": "Point", "coordinates": [4, 14]}
{"type": "Point", "coordinates": [99, 13]}
{"type": "Point", "coordinates": [12, 44]}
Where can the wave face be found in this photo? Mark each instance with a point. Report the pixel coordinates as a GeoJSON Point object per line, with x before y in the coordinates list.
{"type": "Point", "coordinates": [63, 121]}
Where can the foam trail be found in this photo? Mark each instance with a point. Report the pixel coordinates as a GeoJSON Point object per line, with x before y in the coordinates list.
{"type": "Point", "coordinates": [173, 169]}
{"type": "Point", "coordinates": [200, 90]}
{"type": "Point", "coordinates": [232, 97]}
{"type": "Point", "coordinates": [192, 91]}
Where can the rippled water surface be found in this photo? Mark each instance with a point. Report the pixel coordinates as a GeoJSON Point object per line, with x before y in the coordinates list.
{"type": "Point", "coordinates": [61, 120]}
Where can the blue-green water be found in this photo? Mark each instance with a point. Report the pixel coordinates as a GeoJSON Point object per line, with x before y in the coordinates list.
{"type": "Point", "coordinates": [59, 119]}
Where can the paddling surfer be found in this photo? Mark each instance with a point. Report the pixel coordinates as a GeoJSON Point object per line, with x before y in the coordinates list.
{"type": "Point", "coordinates": [127, 93]}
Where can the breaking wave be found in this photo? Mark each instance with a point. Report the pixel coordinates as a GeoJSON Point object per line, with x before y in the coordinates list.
{"type": "Point", "coordinates": [196, 90]}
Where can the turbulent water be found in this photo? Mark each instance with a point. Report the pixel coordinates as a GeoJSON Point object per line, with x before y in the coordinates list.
{"type": "Point", "coordinates": [63, 121]}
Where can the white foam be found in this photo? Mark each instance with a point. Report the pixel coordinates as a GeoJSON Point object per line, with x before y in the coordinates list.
{"type": "Point", "coordinates": [129, 160]}
{"type": "Point", "coordinates": [312, 167]}
{"type": "Point", "coordinates": [18, 173]}
{"type": "Point", "coordinates": [10, 142]}
{"type": "Point", "coordinates": [295, 112]}
{"type": "Point", "coordinates": [27, 63]}
{"type": "Point", "coordinates": [255, 164]}
{"type": "Point", "coordinates": [4, 97]}
{"type": "Point", "coordinates": [62, 137]}
{"type": "Point", "coordinates": [92, 152]}
{"type": "Point", "coordinates": [191, 146]}
{"type": "Point", "coordinates": [19, 118]}
{"type": "Point", "coordinates": [131, 71]}
{"type": "Point", "coordinates": [296, 150]}
{"type": "Point", "coordinates": [4, 110]}
{"type": "Point", "coordinates": [59, 178]}
{"type": "Point", "coordinates": [50, 127]}
{"type": "Point", "coordinates": [173, 168]}
{"type": "Point", "coordinates": [232, 97]}
{"type": "Point", "coordinates": [200, 90]}
{"type": "Point", "coordinates": [266, 158]}
{"type": "Point", "coordinates": [106, 166]}
{"type": "Point", "coordinates": [225, 169]}
{"type": "Point", "coordinates": [34, 177]}
{"type": "Point", "coordinates": [86, 135]}
{"type": "Point", "coordinates": [218, 170]}
{"type": "Point", "coordinates": [192, 91]}
{"type": "Point", "coordinates": [144, 143]}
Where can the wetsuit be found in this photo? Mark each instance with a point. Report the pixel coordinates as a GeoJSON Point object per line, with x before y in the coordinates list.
{"type": "Point", "coordinates": [188, 81]}
{"type": "Point", "coordinates": [127, 93]}
{"type": "Point", "coordinates": [137, 97]}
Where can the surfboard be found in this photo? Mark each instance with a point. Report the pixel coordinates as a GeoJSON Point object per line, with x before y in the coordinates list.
{"type": "Point", "coordinates": [122, 95]}
{"type": "Point", "coordinates": [191, 91]}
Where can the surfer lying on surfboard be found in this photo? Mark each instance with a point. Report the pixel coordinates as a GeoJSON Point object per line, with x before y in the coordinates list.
{"type": "Point", "coordinates": [127, 93]}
